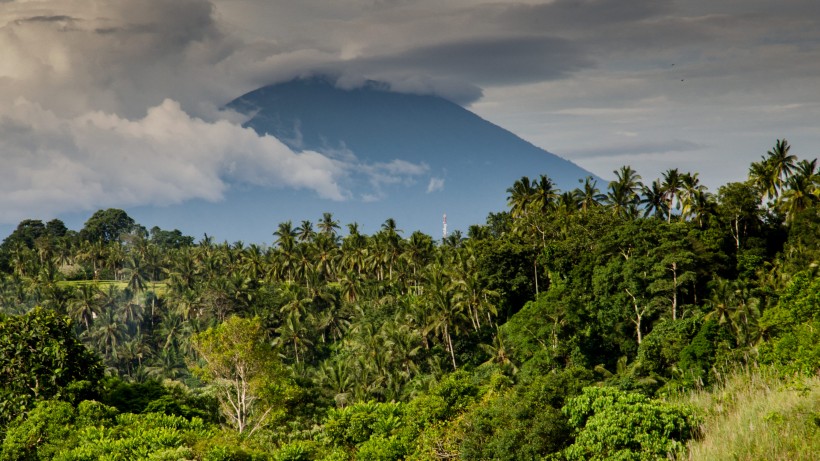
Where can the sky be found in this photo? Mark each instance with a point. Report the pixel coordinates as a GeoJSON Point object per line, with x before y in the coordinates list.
{"type": "Point", "coordinates": [115, 103]}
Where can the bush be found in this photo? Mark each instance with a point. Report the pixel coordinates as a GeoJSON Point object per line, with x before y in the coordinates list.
{"type": "Point", "coordinates": [612, 424]}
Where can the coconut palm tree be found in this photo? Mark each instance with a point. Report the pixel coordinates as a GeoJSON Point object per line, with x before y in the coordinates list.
{"type": "Point", "coordinates": [107, 335]}
{"type": "Point", "coordinates": [800, 189]}
{"type": "Point", "coordinates": [654, 201]}
{"type": "Point", "coordinates": [589, 195]}
{"type": "Point", "coordinates": [285, 236]}
{"type": "Point", "coordinates": [691, 188]}
{"type": "Point", "coordinates": [782, 163]}
{"type": "Point", "coordinates": [136, 274]}
{"type": "Point", "coordinates": [544, 194]}
{"type": "Point", "coordinates": [521, 196]}
{"type": "Point", "coordinates": [86, 305]}
{"type": "Point", "coordinates": [622, 196]}
{"type": "Point", "coordinates": [305, 232]}
{"type": "Point", "coordinates": [671, 186]}
{"type": "Point", "coordinates": [327, 225]}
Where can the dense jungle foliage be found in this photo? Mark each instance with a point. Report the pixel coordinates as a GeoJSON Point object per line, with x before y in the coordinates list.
{"type": "Point", "coordinates": [635, 322]}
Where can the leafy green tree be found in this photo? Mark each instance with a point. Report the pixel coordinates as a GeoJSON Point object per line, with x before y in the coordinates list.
{"type": "Point", "coordinates": [40, 358]}
{"type": "Point", "coordinates": [514, 424]}
{"type": "Point", "coordinates": [739, 207]}
{"type": "Point", "coordinates": [252, 386]}
{"type": "Point", "coordinates": [614, 425]}
{"type": "Point", "coordinates": [107, 226]}
{"type": "Point", "coordinates": [45, 431]}
{"type": "Point", "coordinates": [674, 267]}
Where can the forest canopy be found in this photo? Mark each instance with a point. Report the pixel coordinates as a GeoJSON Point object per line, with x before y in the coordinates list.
{"type": "Point", "coordinates": [607, 322]}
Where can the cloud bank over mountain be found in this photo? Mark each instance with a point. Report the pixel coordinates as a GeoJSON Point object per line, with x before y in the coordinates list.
{"type": "Point", "coordinates": [116, 103]}
{"type": "Point", "coordinates": [700, 85]}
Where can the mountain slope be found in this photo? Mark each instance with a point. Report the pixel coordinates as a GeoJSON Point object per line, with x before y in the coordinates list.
{"type": "Point", "coordinates": [419, 156]}
{"type": "Point", "coordinates": [408, 157]}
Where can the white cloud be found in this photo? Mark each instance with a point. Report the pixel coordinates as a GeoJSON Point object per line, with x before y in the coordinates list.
{"type": "Point", "coordinates": [435, 184]}
{"type": "Point", "coordinates": [97, 159]}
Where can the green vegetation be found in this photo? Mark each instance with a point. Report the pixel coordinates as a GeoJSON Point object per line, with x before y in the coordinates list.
{"type": "Point", "coordinates": [640, 322]}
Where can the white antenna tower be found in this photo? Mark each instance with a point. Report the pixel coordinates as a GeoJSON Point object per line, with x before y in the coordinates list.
{"type": "Point", "coordinates": [444, 228]}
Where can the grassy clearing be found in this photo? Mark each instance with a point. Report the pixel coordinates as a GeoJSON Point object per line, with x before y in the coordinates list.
{"type": "Point", "coordinates": [158, 287]}
{"type": "Point", "coordinates": [756, 415]}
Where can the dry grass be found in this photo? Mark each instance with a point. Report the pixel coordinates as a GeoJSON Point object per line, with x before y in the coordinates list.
{"type": "Point", "coordinates": [756, 415]}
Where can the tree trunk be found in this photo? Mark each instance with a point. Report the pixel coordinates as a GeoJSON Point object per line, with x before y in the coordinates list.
{"type": "Point", "coordinates": [450, 346]}
{"type": "Point", "coordinates": [535, 274]}
{"type": "Point", "coordinates": [674, 291]}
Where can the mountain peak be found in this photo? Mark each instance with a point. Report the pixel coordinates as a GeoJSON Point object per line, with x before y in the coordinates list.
{"type": "Point", "coordinates": [410, 157]}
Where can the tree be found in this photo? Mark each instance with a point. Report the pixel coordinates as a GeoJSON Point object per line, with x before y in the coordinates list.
{"type": "Point", "coordinates": [107, 226]}
{"type": "Point", "coordinates": [40, 358]}
{"type": "Point", "coordinates": [739, 205]}
{"type": "Point", "coordinates": [672, 184]}
{"type": "Point", "coordinates": [782, 163]}
{"type": "Point", "coordinates": [544, 194]}
{"type": "Point", "coordinates": [305, 232]}
{"type": "Point", "coordinates": [612, 424]}
{"type": "Point", "coordinates": [802, 189]}
{"type": "Point", "coordinates": [285, 236]}
{"type": "Point", "coordinates": [85, 305]}
{"type": "Point", "coordinates": [675, 264]}
{"type": "Point", "coordinates": [622, 196]}
{"type": "Point", "coordinates": [521, 196]}
{"type": "Point", "coordinates": [252, 386]}
{"type": "Point", "coordinates": [589, 195]}
{"type": "Point", "coordinates": [654, 201]}
{"type": "Point", "coordinates": [327, 225]}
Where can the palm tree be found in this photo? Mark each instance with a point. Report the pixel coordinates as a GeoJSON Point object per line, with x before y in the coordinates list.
{"type": "Point", "coordinates": [388, 246]}
{"type": "Point", "coordinates": [544, 194]}
{"type": "Point", "coordinates": [622, 196]}
{"type": "Point", "coordinates": [305, 232]}
{"type": "Point", "coordinates": [326, 256]}
{"type": "Point", "coordinates": [701, 205]}
{"type": "Point", "coordinates": [654, 201]}
{"type": "Point", "coordinates": [108, 334]}
{"type": "Point", "coordinates": [690, 191]}
{"type": "Point", "coordinates": [336, 378]}
{"type": "Point", "coordinates": [473, 297]}
{"type": "Point", "coordinates": [130, 313]}
{"type": "Point", "coordinates": [671, 187]}
{"type": "Point", "coordinates": [389, 227]}
{"type": "Point", "coordinates": [86, 305]}
{"type": "Point", "coordinates": [521, 195]}
{"type": "Point", "coordinates": [293, 333]}
{"type": "Point", "coordinates": [417, 254]}
{"type": "Point", "coordinates": [445, 314]}
{"type": "Point", "coordinates": [801, 186]}
{"type": "Point", "coordinates": [136, 274]}
{"type": "Point", "coordinates": [568, 203]}
{"type": "Point", "coordinates": [285, 235]}
{"type": "Point", "coordinates": [782, 163]}
{"type": "Point", "coordinates": [327, 225]}
{"type": "Point", "coordinates": [589, 195]}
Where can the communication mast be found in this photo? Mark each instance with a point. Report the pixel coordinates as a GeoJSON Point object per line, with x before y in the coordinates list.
{"type": "Point", "coordinates": [444, 227]}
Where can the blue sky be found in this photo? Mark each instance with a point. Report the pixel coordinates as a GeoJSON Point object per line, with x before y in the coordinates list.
{"type": "Point", "coordinates": [114, 102]}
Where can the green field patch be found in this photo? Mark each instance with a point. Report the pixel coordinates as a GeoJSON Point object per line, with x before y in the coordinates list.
{"type": "Point", "coordinates": [160, 288]}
